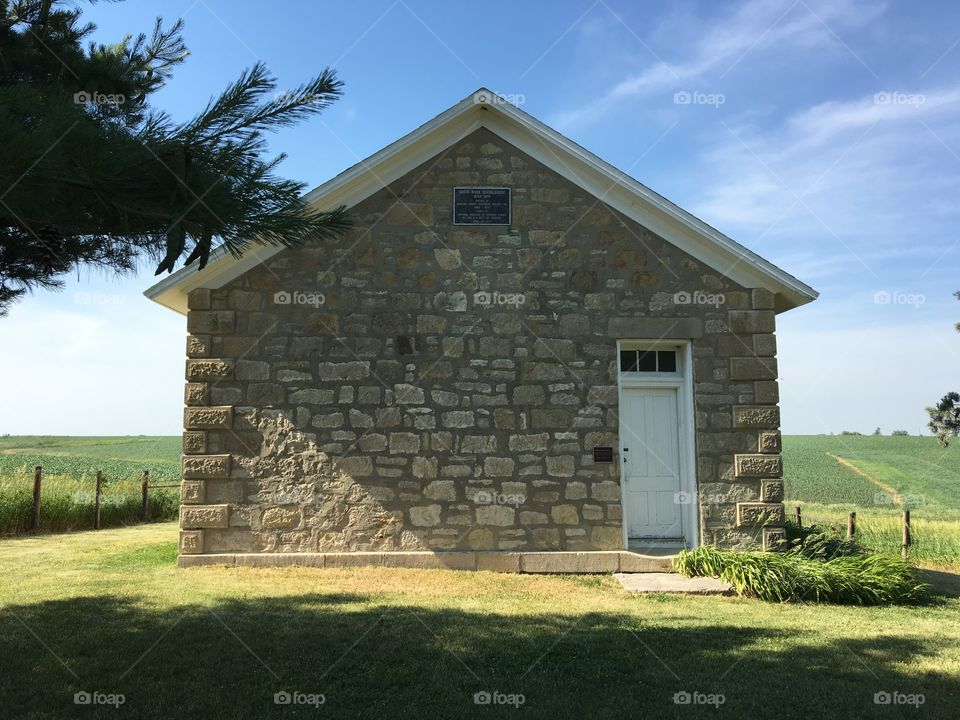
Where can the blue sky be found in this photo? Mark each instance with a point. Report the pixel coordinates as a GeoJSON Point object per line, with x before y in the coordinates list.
{"type": "Point", "coordinates": [824, 135]}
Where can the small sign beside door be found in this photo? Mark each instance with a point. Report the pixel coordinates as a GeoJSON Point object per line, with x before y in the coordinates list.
{"type": "Point", "coordinates": [603, 454]}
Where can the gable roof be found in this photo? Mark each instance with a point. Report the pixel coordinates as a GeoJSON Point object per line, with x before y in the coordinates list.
{"type": "Point", "coordinates": [484, 108]}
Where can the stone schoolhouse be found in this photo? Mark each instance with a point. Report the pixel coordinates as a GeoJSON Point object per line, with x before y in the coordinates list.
{"type": "Point", "coordinates": [518, 359]}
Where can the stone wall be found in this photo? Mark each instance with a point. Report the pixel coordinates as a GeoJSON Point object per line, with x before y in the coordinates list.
{"type": "Point", "coordinates": [416, 385]}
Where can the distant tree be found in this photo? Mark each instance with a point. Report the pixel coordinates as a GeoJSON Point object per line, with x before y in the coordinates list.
{"type": "Point", "coordinates": [850, 432]}
{"type": "Point", "coordinates": [945, 415]}
{"type": "Point", "coordinates": [877, 432]}
{"type": "Point", "coordinates": [945, 418]}
{"type": "Point", "coordinates": [899, 433]}
{"type": "Point", "coordinates": [93, 175]}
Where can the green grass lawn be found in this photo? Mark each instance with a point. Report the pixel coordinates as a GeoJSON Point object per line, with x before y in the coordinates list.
{"type": "Point", "coordinates": [109, 612]}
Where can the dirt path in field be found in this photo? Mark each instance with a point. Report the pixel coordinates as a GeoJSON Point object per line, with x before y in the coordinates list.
{"type": "Point", "coordinates": [894, 495]}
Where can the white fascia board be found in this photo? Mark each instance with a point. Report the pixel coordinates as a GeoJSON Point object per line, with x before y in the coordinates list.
{"type": "Point", "coordinates": [541, 142]}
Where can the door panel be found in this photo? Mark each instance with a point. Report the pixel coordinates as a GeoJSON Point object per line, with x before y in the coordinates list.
{"type": "Point", "coordinates": [650, 439]}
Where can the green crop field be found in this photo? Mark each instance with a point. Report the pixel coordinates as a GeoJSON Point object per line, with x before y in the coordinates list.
{"type": "Point", "coordinates": [70, 465]}
{"type": "Point", "coordinates": [878, 477]}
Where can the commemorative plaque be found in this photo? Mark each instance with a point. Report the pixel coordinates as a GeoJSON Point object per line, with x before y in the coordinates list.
{"type": "Point", "coordinates": [481, 206]}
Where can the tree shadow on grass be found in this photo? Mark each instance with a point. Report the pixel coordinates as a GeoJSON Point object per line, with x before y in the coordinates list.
{"type": "Point", "coordinates": [367, 659]}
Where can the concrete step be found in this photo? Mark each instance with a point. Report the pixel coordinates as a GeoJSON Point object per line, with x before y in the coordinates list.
{"type": "Point", "coordinates": [661, 582]}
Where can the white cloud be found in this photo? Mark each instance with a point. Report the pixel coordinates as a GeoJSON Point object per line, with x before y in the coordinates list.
{"type": "Point", "coordinates": [719, 46]}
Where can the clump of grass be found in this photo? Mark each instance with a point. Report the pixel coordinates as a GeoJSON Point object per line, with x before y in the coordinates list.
{"type": "Point", "coordinates": [819, 542]}
{"type": "Point", "coordinates": [859, 579]}
{"type": "Point", "coordinates": [67, 503]}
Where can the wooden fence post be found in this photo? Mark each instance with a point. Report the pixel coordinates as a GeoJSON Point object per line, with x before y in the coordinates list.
{"type": "Point", "coordinates": [907, 540]}
{"type": "Point", "coordinates": [96, 502]}
{"type": "Point", "coordinates": [798, 520]}
{"type": "Point", "coordinates": [851, 525]}
{"type": "Point", "coordinates": [143, 494]}
{"type": "Point", "coordinates": [35, 516]}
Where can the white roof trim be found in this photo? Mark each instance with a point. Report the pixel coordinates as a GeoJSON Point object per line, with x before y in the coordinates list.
{"type": "Point", "coordinates": [581, 167]}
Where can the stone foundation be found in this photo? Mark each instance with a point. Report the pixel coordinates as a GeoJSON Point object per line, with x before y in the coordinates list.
{"type": "Point", "coordinates": [521, 562]}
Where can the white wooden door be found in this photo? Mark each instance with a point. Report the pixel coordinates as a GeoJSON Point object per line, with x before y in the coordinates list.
{"type": "Point", "coordinates": [650, 453]}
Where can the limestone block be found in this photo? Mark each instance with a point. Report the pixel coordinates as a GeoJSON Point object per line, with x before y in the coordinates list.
{"type": "Point", "coordinates": [215, 322]}
{"type": "Point", "coordinates": [769, 442]}
{"type": "Point", "coordinates": [765, 345]}
{"type": "Point", "coordinates": [771, 490]}
{"type": "Point", "coordinates": [606, 538]}
{"type": "Point", "coordinates": [198, 346]}
{"type": "Point", "coordinates": [404, 443]}
{"type": "Point", "coordinates": [537, 442]}
{"type": "Point", "coordinates": [501, 515]}
{"type": "Point", "coordinates": [766, 417]}
{"type": "Point", "coordinates": [425, 515]}
{"type": "Point", "coordinates": [425, 468]}
{"type": "Point", "coordinates": [753, 368]}
{"type": "Point", "coordinates": [766, 392]}
{"type": "Point", "coordinates": [762, 299]}
{"type": "Point", "coordinates": [195, 418]}
{"type": "Point", "coordinates": [565, 514]}
{"type": "Point", "coordinates": [773, 538]}
{"type": "Point", "coordinates": [191, 542]}
{"type": "Point", "coordinates": [194, 443]}
{"type": "Point", "coordinates": [744, 322]}
{"type": "Point", "coordinates": [206, 466]}
{"type": "Point", "coordinates": [752, 514]}
{"type": "Point", "coordinates": [200, 370]}
{"type": "Point", "coordinates": [192, 492]}
{"type": "Point", "coordinates": [758, 466]}
{"type": "Point", "coordinates": [354, 370]}
{"type": "Point", "coordinates": [441, 490]}
{"type": "Point", "coordinates": [204, 516]}
{"type": "Point", "coordinates": [570, 562]}
{"type": "Point", "coordinates": [498, 466]}
{"type": "Point", "coordinates": [195, 394]}
{"type": "Point", "coordinates": [276, 518]}
{"type": "Point", "coordinates": [199, 299]}
{"type": "Point", "coordinates": [560, 465]}
{"type": "Point", "coordinates": [478, 444]}
{"type": "Point", "coordinates": [406, 394]}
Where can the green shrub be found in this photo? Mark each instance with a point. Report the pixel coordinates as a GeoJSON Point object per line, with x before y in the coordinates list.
{"type": "Point", "coordinates": [819, 542]}
{"type": "Point", "coordinates": [790, 577]}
